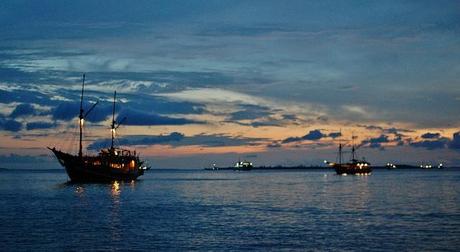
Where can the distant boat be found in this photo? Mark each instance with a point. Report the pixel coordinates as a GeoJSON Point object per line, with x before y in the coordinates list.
{"type": "Point", "coordinates": [243, 166]}
{"type": "Point", "coordinates": [108, 165]}
{"type": "Point", "coordinates": [353, 167]}
{"type": "Point", "coordinates": [212, 168]}
{"type": "Point", "coordinates": [391, 166]}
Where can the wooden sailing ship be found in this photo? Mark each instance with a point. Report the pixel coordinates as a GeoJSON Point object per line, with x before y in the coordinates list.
{"type": "Point", "coordinates": [352, 167]}
{"type": "Point", "coordinates": [111, 164]}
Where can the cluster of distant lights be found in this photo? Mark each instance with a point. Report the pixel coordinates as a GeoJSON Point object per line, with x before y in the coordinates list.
{"type": "Point", "coordinates": [423, 166]}
{"type": "Point", "coordinates": [429, 166]}
{"type": "Point", "coordinates": [391, 165]}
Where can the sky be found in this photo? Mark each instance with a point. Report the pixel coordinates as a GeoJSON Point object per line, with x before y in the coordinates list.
{"type": "Point", "coordinates": [211, 82]}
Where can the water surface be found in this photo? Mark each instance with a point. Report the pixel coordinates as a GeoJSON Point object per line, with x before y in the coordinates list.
{"type": "Point", "coordinates": [226, 210]}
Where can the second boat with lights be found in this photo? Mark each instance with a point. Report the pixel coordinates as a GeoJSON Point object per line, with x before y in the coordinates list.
{"type": "Point", "coordinates": [353, 167]}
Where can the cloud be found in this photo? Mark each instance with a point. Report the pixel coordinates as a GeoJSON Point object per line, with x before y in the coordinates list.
{"type": "Point", "coordinates": [313, 135]}
{"type": "Point", "coordinates": [141, 118]}
{"type": "Point", "coordinates": [289, 117]}
{"type": "Point", "coordinates": [274, 145]}
{"type": "Point", "coordinates": [10, 125]}
{"type": "Point", "coordinates": [137, 140]}
{"type": "Point", "coordinates": [218, 140]}
{"type": "Point", "coordinates": [380, 139]}
{"type": "Point", "coordinates": [23, 95]}
{"type": "Point", "coordinates": [334, 134]}
{"type": "Point", "coordinates": [376, 145]}
{"type": "Point", "coordinates": [68, 110]}
{"type": "Point", "coordinates": [396, 131]}
{"type": "Point", "coordinates": [162, 105]}
{"type": "Point", "coordinates": [214, 96]}
{"type": "Point", "coordinates": [178, 139]}
{"type": "Point", "coordinates": [265, 124]}
{"type": "Point", "coordinates": [376, 142]}
{"type": "Point", "coordinates": [356, 110]}
{"type": "Point", "coordinates": [40, 125]}
{"type": "Point", "coordinates": [437, 142]}
{"type": "Point", "coordinates": [429, 135]}
{"type": "Point", "coordinates": [250, 112]}
{"type": "Point", "coordinates": [65, 111]}
{"type": "Point", "coordinates": [371, 127]}
{"type": "Point", "coordinates": [455, 143]}
{"type": "Point", "coordinates": [22, 110]}
{"type": "Point", "coordinates": [431, 144]}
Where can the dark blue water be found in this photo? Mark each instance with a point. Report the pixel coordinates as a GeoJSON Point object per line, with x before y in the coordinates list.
{"type": "Point", "coordinates": [198, 210]}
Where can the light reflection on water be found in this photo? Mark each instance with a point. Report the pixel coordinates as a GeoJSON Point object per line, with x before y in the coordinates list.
{"type": "Point", "coordinates": [390, 210]}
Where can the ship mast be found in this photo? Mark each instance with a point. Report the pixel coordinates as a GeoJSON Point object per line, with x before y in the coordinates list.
{"type": "Point", "coordinates": [81, 116]}
{"type": "Point", "coordinates": [340, 147]}
{"type": "Point", "coordinates": [113, 119]}
{"type": "Point", "coordinates": [353, 147]}
{"type": "Point", "coordinates": [340, 153]}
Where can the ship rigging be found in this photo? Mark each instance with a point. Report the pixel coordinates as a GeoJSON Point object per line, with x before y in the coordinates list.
{"type": "Point", "coordinates": [109, 164]}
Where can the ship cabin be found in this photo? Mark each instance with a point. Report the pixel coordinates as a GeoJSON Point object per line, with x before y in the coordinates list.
{"type": "Point", "coordinates": [119, 158]}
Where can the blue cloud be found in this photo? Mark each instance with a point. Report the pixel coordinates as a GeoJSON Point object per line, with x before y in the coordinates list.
{"type": "Point", "coordinates": [375, 145]}
{"type": "Point", "coordinates": [265, 124]}
{"type": "Point", "coordinates": [161, 105]}
{"type": "Point", "coordinates": [455, 143]}
{"type": "Point", "coordinates": [380, 139]}
{"type": "Point", "coordinates": [431, 144]}
{"type": "Point", "coordinates": [376, 142]}
{"type": "Point", "coordinates": [68, 110]}
{"type": "Point", "coordinates": [429, 135]}
{"type": "Point", "coordinates": [24, 96]}
{"type": "Point", "coordinates": [23, 110]}
{"type": "Point", "coordinates": [251, 112]}
{"type": "Point", "coordinates": [334, 134]}
{"type": "Point", "coordinates": [40, 125]}
{"type": "Point", "coordinates": [290, 117]}
{"type": "Point", "coordinates": [313, 135]}
{"type": "Point", "coordinates": [437, 142]}
{"type": "Point", "coordinates": [65, 111]}
{"type": "Point", "coordinates": [10, 125]}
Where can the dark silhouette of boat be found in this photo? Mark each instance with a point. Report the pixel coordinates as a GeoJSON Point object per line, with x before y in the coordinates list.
{"type": "Point", "coordinates": [353, 167]}
{"type": "Point", "coordinates": [111, 164]}
{"type": "Point", "coordinates": [243, 166]}
{"type": "Point", "coordinates": [239, 166]}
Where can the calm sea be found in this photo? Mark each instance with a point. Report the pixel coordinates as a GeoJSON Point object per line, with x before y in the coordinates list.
{"type": "Point", "coordinates": [258, 210]}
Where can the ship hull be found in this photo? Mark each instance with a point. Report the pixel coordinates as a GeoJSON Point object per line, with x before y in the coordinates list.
{"type": "Point", "coordinates": [83, 170]}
